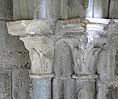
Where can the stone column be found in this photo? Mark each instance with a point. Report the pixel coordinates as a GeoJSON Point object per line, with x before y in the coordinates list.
{"type": "Point", "coordinates": [85, 70]}
{"type": "Point", "coordinates": [107, 85]}
{"type": "Point", "coordinates": [63, 84]}
{"type": "Point", "coordinates": [42, 85]}
{"type": "Point", "coordinates": [41, 54]}
{"type": "Point", "coordinates": [39, 41]}
{"type": "Point", "coordinates": [85, 86]}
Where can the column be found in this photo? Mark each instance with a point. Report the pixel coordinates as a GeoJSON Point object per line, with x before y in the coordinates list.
{"type": "Point", "coordinates": [63, 84]}
{"type": "Point", "coordinates": [39, 42]}
{"type": "Point", "coordinates": [107, 84]}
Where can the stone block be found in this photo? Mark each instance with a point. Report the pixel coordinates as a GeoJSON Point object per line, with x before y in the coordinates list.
{"type": "Point", "coordinates": [69, 28]}
{"type": "Point", "coordinates": [41, 27]}
{"type": "Point", "coordinates": [18, 27]}
{"type": "Point", "coordinates": [31, 27]}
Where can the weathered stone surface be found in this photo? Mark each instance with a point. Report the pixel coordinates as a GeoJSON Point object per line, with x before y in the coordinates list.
{"type": "Point", "coordinates": [69, 8]}
{"type": "Point", "coordinates": [81, 51]}
{"type": "Point", "coordinates": [107, 56]}
{"type": "Point", "coordinates": [85, 89]}
{"type": "Point", "coordinates": [107, 89]}
{"type": "Point", "coordinates": [13, 56]}
{"type": "Point", "coordinates": [101, 9]}
{"type": "Point", "coordinates": [60, 9]}
{"type": "Point", "coordinates": [46, 9]}
{"type": "Point", "coordinates": [63, 66]}
{"type": "Point", "coordinates": [69, 89]}
{"type": "Point", "coordinates": [12, 51]}
{"type": "Point", "coordinates": [29, 27]}
{"type": "Point", "coordinates": [53, 7]}
{"type": "Point", "coordinates": [37, 9]}
{"type": "Point", "coordinates": [5, 84]}
{"type": "Point", "coordinates": [72, 28]}
{"type": "Point", "coordinates": [63, 88]}
{"type": "Point", "coordinates": [58, 89]}
{"type": "Point", "coordinates": [106, 65]}
{"type": "Point", "coordinates": [18, 27]}
{"type": "Point", "coordinates": [101, 91]}
{"type": "Point", "coordinates": [85, 58]}
{"type": "Point", "coordinates": [94, 31]}
{"type": "Point", "coordinates": [113, 9]}
{"type": "Point", "coordinates": [23, 9]}
{"type": "Point", "coordinates": [41, 50]}
{"type": "Point", "coordinates": [20, 84]}
{"type": "Point", "coordinates": [116, 62]}
{"type": "Point", "coordinates": [42, 27]}
{"type": "Point", "coordinates": [6, 9]}
{"type": "Point", "coordinates": [41, 88]}
{"type": "Point", "coordinates": [112, 93]}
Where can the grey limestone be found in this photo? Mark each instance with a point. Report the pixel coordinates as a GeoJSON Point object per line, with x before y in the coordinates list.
{"type": "Point", "coordinates": [41, 88]}
{"type": "Point", "coordinates": [58, 9]}
{"type": "Point", "coordinates": [107, 89]}
{"type": "Point", "coordinates": [41, 51]}
{"type": "Point", "coordinates": [64, 88]}
{"type": "Point", "coordinates": [101, 8]}
{"type": "Point", "coordinates": [22, 9]}
{"type": "Point", "coordinates": [76, 61]}
{"type": "Point", "coordinates": [5, 84]}
{"type": "Point", "coordinates": [85, 89]}
{"type": "Point", "coordinates": [20, 84]}
{"type": "Point", "coordinates": [6, 9]}
{"type": "Point", "coordinates": [113, 9]}
{"type": "Point", "coordinates": [58, 59]}
{"type": "Point", "coordinates": [13, 57]}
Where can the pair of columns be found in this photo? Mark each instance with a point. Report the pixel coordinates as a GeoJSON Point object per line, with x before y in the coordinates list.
{"type": "Point", "coordinates": [64, 66]}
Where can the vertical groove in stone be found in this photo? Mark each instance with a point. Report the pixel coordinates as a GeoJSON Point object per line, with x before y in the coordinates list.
{"type": "Point", "coordinates": [109, 2]}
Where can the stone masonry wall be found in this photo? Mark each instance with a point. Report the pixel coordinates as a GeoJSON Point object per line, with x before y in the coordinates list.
{"type": "Point", "coordinates": [14, 60]}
